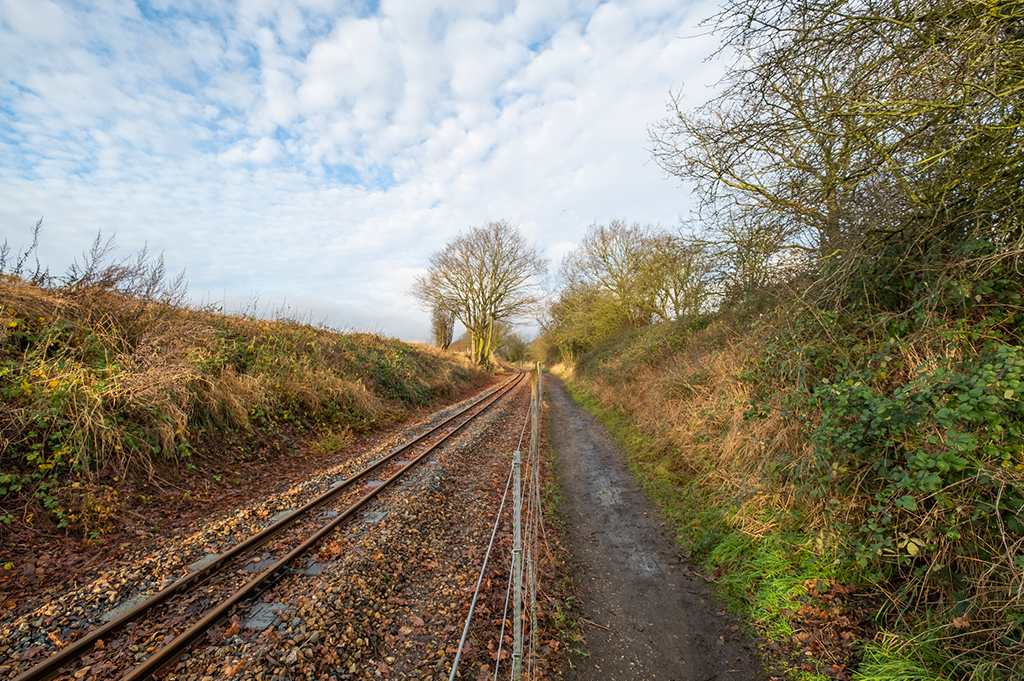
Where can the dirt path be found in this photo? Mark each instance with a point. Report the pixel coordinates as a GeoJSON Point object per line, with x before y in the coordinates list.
{"type": "Point", "coordinates": [649, 616]}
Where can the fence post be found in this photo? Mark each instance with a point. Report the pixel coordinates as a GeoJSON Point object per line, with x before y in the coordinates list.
{"type": "Point", "coordinates": [538, 396]}
{"type": "Point", "coordinates": [517, 567]}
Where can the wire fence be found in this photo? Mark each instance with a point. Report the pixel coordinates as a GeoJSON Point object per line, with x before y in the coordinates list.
{"type": "Point", "coordinates": [527, 530]}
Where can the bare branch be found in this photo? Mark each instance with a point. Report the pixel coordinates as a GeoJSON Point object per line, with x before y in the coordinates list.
{"type": "Point", "coordinates": [484, 277]}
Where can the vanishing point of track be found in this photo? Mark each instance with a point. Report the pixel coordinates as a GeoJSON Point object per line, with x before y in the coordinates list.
{"type": "Point", "coordinates": [174, 648]}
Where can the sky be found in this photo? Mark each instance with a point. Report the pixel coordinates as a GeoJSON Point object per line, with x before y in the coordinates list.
{"type": "Point", "coordinates": [309, 156]}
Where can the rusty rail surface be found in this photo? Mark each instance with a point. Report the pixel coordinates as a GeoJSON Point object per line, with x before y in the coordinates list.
{"type": "Point", "coordinates": [50, 667]}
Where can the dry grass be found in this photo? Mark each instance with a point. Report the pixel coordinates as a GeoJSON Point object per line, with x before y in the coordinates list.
{"type": "Point", "coordinates": [691, 401]}
{"type": "Point", "coordinates": [99, 383]}
{"type": "Point", "coordinates": [333, 440]}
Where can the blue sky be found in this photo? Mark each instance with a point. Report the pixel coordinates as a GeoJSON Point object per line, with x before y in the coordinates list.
{"type": "Point", "coordinates": [313, 154]}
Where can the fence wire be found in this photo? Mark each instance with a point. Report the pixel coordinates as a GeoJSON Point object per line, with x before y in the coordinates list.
{"type": "Point", "coordinates": [527, 529]}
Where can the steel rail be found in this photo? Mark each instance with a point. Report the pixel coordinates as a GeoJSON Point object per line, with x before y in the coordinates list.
{"type": "Point", "coordinates": [179, 644]}
{"type": "Point", "coordinates": [50, 667]}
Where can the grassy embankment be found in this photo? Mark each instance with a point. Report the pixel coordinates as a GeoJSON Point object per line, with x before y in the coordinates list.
{"type": "Point", "coordinates": [807, 456]}
{"type": "Point", "coordinates": [100, 387]}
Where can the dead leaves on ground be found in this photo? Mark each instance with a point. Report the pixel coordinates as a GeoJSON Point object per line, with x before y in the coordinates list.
{"type": "Point", "coordinates": [827, 626]}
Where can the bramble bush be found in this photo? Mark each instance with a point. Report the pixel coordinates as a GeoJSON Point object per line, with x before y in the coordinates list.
{"type": "Point", "coordinates": [908, 389]}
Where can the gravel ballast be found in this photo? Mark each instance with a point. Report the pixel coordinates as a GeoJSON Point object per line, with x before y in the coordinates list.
{"type": "Point", "coordinates": [384, 596]}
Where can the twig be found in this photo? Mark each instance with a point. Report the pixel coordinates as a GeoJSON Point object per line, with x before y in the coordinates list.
{"type": "Point", "coordinates": [599, 626]}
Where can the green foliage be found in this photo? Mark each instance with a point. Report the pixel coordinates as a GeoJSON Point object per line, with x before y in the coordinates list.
{"type": "Point", "coordinates": [895, 658]}
{"type": "Point", "coordinates": [769, 575]}
{"type": "Point", "coordinates": [582, 318]}
{"type": "Point", "coordinates": [931, 448]}
{"type": "Point", "coordinates": [909, 390]}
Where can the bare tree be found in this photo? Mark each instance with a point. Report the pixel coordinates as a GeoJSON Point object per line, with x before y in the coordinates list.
{"type": "Point", "coordinates": [40, 276]}
{"type": "Point", "coordinates": [781, 137]}
{"type": "Point", "coordinates": [488, 275]}
{"type": "Point", "coordinates": [854, 126]}
{"type": "Point", "coordinates": [654, 275]}
{"type": "Point", "coordinates": [745, 252]}
{"type": "Point", "coordinates": [679, 270]}
{"type": "Point", "coordinates": [442, 324]}
{"type": "Point", "coordinates": [615, 258]}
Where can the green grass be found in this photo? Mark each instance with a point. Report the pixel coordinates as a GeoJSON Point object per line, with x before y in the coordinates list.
{"type": "Point", "coordinates": [757, 576]}
{"type": "Point", "coordinates": [766, 575]}
{"type": "Point", "coordinates": [895, 658]}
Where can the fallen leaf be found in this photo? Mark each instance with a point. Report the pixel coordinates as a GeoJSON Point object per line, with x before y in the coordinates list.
{"type": "Point", "coordinates": [418, 622]}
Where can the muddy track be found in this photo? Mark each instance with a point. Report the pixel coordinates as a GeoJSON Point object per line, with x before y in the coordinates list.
{"type": "Point", "coordinates": [646, 613]}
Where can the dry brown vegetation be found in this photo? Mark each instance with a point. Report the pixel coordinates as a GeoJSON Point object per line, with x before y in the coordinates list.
{"type": "Point", "coordinates": [768, 470]}
{"type": "Point", "coordinates": [103, 380]}
{"type": "Point", "coordinates": [690, 401]}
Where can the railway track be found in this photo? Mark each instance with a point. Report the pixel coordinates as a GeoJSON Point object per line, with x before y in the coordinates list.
{"type": "Point", "coordinates": [189, 607]}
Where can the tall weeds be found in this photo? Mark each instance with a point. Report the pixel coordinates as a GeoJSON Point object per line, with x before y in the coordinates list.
{"type": "Point", "coordinates": [106, 373]}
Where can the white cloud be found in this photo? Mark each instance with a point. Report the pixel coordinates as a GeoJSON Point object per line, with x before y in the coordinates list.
{"type": "Point", "coordinates": [318, 151]}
